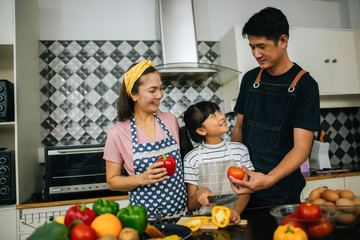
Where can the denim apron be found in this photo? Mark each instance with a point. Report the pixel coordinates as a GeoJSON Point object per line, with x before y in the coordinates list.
{"type": "Point", "coordinates": [168, 196]}
{"type": "Point", "coordinates": [213, 175]}
{"type": "Point", "coordinates": [268, 134]}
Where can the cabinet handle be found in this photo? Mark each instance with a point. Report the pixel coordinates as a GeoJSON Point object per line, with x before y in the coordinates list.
{"type": "Point", "coordinates": [334, 60]}
{"type": "Point", "coordinates": [327, 60]}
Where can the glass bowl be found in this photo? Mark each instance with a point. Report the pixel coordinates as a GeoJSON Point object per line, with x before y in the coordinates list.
{"type": "Point", "coordinates": [349, 214]}
{"type": "Point", "coordinates": [329, 217]}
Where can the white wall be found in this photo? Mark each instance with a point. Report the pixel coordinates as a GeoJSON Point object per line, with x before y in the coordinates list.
{"type": "Point", "coordinates": [97, 19]}
{"type": "Point", "coordinates": [138, 19]}
{"type": "Point", "coordinates": [214, 18]}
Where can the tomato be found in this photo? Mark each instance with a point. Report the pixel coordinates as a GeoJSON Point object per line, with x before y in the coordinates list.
{"type": "Point", "coordinates": [309, 211]}
{"type": "Point", "coordinates": [236, 172]}
{"type": "Point", "coordinates": [320, 229]}
{"type": "Point", "coordinates": [82, 232]}
{"type": "Point", "coordinates": [290, 219]}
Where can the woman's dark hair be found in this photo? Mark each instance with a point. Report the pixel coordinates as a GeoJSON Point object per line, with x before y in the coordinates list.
{"type": "Point", "coordinates": [269, 22]}
{"type": "Point", "coordinates": [125, 105]}
{"type": "Point", "coordinates": [194, 117]}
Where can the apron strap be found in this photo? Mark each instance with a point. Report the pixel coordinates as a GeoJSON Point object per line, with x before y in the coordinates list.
{"type": "Point", "coordinates": [295, 81]}
{"type": "Point", "coordinates": [292, 85]}
{"type": "Point", "coordinates": [257, 81]}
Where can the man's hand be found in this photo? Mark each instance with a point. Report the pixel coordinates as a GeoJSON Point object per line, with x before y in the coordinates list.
{"type": "Point", "coordinates": [257, 181]}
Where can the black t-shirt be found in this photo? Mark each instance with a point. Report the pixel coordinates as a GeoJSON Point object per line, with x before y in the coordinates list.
{"type": "Point", "coordinates": [306, 113]}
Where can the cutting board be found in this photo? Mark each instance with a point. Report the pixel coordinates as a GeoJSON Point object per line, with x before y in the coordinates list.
{"type": "Point", "coordinates": [210, 225]}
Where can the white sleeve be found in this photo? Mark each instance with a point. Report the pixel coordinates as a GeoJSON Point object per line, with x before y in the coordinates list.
{"type": "Point", "coordinates": [190, 169]}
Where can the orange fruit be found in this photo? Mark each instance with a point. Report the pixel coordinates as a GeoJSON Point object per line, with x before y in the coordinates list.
{"type": "Point", "coordinates": [106, 224]}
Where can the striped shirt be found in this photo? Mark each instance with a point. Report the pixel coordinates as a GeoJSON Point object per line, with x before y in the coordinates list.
{"type": "Point", "coordinates": [214, 152]}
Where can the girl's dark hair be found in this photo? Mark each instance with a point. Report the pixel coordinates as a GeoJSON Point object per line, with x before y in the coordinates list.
{"type": "Point", "coordinates": [125, 105]}
{"type": "Point", "coordinates": [194, 117]}
{"type": "Point", "coordinates": [269, 22]}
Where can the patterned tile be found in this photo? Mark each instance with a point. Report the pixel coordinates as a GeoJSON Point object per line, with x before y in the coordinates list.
{"type": "Point", "coordinates": [80, 82]}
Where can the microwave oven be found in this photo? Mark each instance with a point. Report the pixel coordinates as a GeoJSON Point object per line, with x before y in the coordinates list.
{"type": "Point", "coordinates": [75, 170]}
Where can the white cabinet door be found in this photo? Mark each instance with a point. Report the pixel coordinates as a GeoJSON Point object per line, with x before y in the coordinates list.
{"type": "Point", "coordinates": [343, 63]}
{"type": "Point", "coordinates": [308, 48]}
{"type": "Point", "coordinates": [353, 184]}
{"type": "Point", "coordinates": [7, 22]}
{"type": "Point", "coordinates": [8, 222]}
{"type": "Point", "coordinates": [329, 56]}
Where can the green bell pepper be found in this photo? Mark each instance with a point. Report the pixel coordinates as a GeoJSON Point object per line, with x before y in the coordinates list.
{"type": "Point", "coordinates": [102, 206]}
{"type": "Point", "coordinates": [133, 217]}
{"type": "Point", "coordinates": [50, 231]}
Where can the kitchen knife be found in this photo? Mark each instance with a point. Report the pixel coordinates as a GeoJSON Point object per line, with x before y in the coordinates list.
{"type": "Point", "coordinates": [223, 199]}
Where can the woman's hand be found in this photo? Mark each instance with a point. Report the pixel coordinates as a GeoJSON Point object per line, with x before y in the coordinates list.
{"type": "Point", "coordinates": [153, 174]}
{"type": "Point", "coordinates": [257, 181]}
{"type": "Point", "coordinates": [202, 196]}
{"type": "Point", "coordinates": [235, 216]}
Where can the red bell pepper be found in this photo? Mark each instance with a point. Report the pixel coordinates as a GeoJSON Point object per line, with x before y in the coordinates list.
{"type": "Point", "coordinates": [169, 164]}
{"type": "Point", "coordinates": [79, 212]}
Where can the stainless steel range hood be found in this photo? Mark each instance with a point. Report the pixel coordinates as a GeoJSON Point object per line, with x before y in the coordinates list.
{"type": "Point", "coordinates": [179, 46]}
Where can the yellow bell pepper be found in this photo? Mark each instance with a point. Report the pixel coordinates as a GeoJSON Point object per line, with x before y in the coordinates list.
{"type": "Point", "coordinates": [220, 216]}
{"type": "Point", "coordinates": [288, 232]}
{"type": "Point", "coordinates": [193, 224]}
{"type": "Point", "coordinates": [203, 219]}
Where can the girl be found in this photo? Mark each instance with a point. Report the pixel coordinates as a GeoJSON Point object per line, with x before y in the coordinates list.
{"type": "Point", "coordinates": [205, 167]}
{"type": "Point", "coordinates": [142, 135]}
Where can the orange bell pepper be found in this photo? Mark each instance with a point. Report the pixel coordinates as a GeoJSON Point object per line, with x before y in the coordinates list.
{"type": "Point", "coordinates": [220, 216]}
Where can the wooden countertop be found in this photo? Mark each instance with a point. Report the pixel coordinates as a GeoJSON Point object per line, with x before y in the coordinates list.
{"type": "Point", "coordinates": [332, 176]}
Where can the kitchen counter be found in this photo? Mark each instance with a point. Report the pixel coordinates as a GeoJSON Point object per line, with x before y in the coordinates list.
{"type": "Point", "coordinates": [34, 203]}
{"type": "Point", "coordinates": [261, 226]}
{"type": "Point", "coordinates": [312, 176]}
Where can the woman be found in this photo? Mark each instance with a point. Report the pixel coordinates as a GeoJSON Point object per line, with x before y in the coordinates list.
{"type": "Point", "coordinates": [139, 139]}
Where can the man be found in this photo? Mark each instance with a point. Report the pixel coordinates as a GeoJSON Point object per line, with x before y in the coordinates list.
{"type": "Point", "coordinates": [278, 111]}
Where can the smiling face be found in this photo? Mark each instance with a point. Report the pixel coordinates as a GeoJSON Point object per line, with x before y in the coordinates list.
{"type": "Point", "coordinates": [214, 127]}
{"type": "Point", "coordinates": [267, 54]}
{"type": "Point", "coordinates": [150, 93]}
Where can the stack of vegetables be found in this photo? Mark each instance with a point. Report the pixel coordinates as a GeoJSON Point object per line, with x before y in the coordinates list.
{"type": "Point", "coordinates": [105, 221]}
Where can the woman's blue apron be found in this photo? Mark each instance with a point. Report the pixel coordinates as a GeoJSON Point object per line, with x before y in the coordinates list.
{"type": "Point", "coordinates": [169, 195]}
{"type": "Point", "coordinates": [268, 133]}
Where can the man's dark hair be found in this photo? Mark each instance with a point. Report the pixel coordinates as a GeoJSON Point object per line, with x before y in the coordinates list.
{"type": "Point", "coordinates": [269, 22]}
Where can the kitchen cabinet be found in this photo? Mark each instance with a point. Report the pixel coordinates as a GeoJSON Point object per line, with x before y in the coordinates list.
{"type": "Point", "coordinates": [20, 65]}
{"type": "Point", "coordinates": [235, 53]}
{"type": "Point", "coordinates": [6, 22]}
{"type": "Point", "coordinates": [8, 222]}
{"type": "Point", "coordinates": [328, 54]}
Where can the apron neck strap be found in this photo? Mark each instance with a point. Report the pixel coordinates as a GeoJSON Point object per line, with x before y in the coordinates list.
{"type": "Point", "coordinates": [292, 85]}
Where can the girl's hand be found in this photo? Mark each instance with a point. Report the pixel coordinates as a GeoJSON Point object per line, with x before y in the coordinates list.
{"type": "Point", "coordinates": [153, 174]}
{"type": "Point", "coordinates": [235, 216]}
{"type": "Point", "coordinates": [203, 194]}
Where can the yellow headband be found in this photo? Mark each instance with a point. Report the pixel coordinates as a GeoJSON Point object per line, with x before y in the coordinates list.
{"type": "Point", "coordinates": [134, 73]}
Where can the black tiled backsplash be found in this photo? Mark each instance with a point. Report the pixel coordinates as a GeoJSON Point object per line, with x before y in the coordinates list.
{"type": "Point", "coordinates": [80, 82]}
